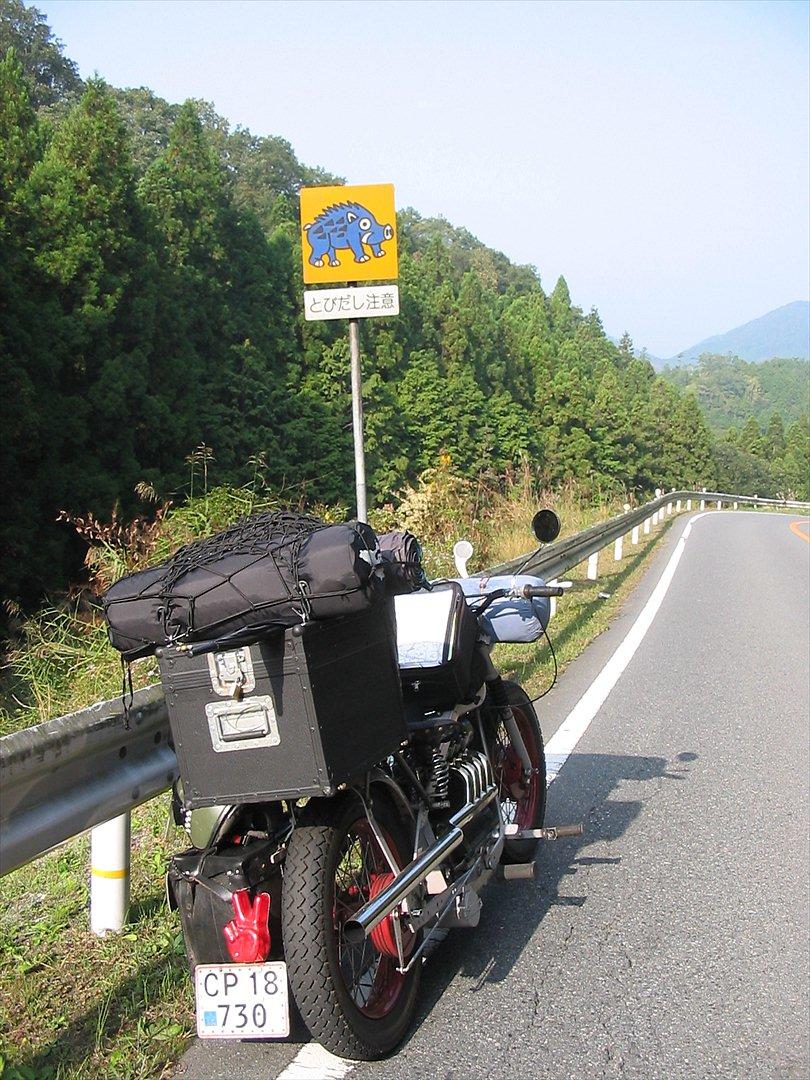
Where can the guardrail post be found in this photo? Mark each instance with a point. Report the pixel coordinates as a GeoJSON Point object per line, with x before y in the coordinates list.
{"type": "Point", "coordinates": [735, 506]}
{"type": "Point", "coordinates": [647, 525]}
{"type": "Point", "coordinates": [677, 506]}
{"type": "Point", "coordinates": [593, 566]}
{"type": "Point", "coordinates": [702, 504]}
{"type": "Point", "coordinates": [617, 549]}
{"type": "Point", "coordinates": [109, 874]}
{"type": "Point", "coordinates": [719, 504]}
{"type": "Point", "coordinates": [688, 504]}
{"type": "Point", "coordinates": [669, 508]}
{"type": "Point", "coordinates": [552, 603]}
{"type": "Point", "coordinates": [634, 535]}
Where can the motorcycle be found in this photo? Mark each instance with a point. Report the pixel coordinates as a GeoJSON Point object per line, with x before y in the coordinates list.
{"type": "Point", "coordinates": [330, 905]}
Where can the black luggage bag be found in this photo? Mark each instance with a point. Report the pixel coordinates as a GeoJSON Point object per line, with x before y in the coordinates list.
{"type": "Point", "coordinates": [271, 570]}
{"type": "Point", "coordinates": [402, 561]}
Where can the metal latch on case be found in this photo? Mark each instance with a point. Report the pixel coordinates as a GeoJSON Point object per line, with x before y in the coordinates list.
{"type": "Point", "coordinates": [232, 673]}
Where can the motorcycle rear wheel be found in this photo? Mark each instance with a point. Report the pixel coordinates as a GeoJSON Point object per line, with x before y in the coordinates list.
{"type": "Point", "coordinates": [522, 802]}
{"type": "Point", "coordinates": [351, 997]}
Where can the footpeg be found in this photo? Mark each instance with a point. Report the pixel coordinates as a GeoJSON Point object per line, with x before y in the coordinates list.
{"type": "Point", "coordinates": [517, 871]}
{"type": "Point", "coordinates": [554, 832]}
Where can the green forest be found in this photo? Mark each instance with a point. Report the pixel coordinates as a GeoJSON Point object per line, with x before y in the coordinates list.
{"type": "Point", "coordinates": [152, 330]}
{"type": "Point", "coordinates": [730, 390]}
{"type": "Point", "coordinates": [760, 413]}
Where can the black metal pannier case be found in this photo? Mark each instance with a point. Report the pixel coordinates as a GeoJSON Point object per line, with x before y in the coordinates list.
{"type": "Point", "coordinates": [297, 713]}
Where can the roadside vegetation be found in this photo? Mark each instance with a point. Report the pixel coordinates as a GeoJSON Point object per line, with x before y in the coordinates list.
{"type": "Point", "coordinates": [62, 661]}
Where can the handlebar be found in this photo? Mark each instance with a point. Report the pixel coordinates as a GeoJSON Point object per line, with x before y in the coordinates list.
{"type": "Point", "coordinates": [530, 591]}
{"type": "Point", "coordinates": [523, 592]}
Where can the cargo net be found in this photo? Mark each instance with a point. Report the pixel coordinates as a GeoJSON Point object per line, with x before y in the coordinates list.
{"type": "Point", "coordinates": [276, 535]}
{"type": "Point", "coordinates": [272, 537]}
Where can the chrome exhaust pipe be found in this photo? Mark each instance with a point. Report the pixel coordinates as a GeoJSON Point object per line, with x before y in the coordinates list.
{"type": "Point", "coordinates": [373, 913]}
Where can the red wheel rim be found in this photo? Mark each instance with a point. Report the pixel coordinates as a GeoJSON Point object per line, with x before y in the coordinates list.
{"type": "Point", "coordinates": [369, 969]}
{"type": "Point", "coordinates": [520, 796]}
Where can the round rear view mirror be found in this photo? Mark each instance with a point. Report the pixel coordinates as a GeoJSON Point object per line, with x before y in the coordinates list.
{"type": "Point", "coordinates": [546, 526]}
{"type": "Point", "coordinates": [462, 549]}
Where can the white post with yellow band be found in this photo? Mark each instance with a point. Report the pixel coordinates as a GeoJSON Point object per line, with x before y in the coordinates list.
{"type": "Point", "coordinates": [109, 875]}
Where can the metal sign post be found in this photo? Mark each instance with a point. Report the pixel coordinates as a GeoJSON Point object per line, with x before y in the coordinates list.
{"type": "Point", "coordinates": [352, 226]}
{"type": "Point", "coordinates": [357, 419]}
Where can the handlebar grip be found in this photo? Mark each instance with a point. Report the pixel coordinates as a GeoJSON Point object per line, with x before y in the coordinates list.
{"type": "Point", "coordinates": [530, 591]}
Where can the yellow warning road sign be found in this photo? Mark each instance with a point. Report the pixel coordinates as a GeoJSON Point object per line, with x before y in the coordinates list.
{"type": "Point", "coordinates": [348, 233]}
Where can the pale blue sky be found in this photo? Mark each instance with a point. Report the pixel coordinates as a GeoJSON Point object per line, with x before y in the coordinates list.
{"type": "Point", "coordinates": [654, 153]}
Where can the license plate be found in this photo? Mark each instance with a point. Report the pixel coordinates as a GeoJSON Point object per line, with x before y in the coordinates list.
{"type": "Point", "coordinates": [242, 1001]}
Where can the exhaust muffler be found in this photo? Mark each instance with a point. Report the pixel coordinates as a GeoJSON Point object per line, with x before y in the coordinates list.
{"type": "Point", "coordinates": [373, 913]}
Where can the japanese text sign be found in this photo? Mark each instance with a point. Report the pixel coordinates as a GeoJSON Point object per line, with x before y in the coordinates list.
{"type": "Point", "coordinates": [364, 302]}
{"type": "Point", "coordinates": [348, 233]}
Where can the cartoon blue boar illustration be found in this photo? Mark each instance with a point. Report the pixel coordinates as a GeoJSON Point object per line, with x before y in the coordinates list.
{"type": "Point", "coordinates": [345, 225]}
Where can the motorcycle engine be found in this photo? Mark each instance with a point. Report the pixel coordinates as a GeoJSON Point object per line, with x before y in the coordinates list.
{"type": "Point", "coordinates": [455, 773]}
{"type": "Point", "coordinates": [470, 776]}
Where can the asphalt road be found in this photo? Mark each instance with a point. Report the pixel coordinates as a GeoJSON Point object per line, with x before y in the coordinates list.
{"type": "Point", "coordinates": [671, 940]}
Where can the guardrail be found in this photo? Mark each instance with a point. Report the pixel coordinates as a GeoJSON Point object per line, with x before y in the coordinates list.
{"type": "Point", "coordinates": [88, 770]}
{"type": "Point", "coordinates": [66, 776]}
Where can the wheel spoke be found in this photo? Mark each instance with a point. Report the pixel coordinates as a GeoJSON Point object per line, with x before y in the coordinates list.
{"type": "Point", "coordinates": [519, 795]}
{"type": "Point", "coordinates": [371, 979]}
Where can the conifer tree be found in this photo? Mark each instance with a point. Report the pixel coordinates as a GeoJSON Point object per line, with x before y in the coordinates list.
{"type": "Point", "coordinates": [29, 460]}
{"type": "Point", "coordinates": [51, 75]}
{"type": "Point", "coordinates": [774, 437]}
{"type": "Point", "coordinates": [91, 256]}
{"type": "Point", "coordinates": [562, 315]}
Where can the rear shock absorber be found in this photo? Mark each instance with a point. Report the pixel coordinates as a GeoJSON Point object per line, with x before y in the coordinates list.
{"type": "Point", "coordinates": [439, 782]}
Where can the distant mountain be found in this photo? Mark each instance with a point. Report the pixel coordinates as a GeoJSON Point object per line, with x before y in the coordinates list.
{"type": "Point", "coordinates": [782, 332]}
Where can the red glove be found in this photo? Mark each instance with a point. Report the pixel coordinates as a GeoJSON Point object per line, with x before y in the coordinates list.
{"type": "Point", "coordinates": [247, 935]}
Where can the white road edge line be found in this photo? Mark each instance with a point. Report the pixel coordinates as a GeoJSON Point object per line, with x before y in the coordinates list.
{"type": "Point", "coordinates": [562, 743]}
{"type": "Point", "coordinates": [312, 1062]}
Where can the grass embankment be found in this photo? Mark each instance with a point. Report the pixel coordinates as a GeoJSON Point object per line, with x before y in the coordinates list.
{"type": "Point", "coordinates": [72, 1005]}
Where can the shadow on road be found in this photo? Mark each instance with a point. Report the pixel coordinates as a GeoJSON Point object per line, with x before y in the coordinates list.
{"type": "Point", "coordinates": [512, 911]}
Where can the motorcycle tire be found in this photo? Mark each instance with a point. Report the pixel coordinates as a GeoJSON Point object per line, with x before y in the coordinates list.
{"type": "Point", "coordinates": [527, 809]}
{"type": "Point", "coordinates": [352, 998]}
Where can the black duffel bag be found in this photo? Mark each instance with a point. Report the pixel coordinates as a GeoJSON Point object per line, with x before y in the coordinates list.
{"type": "Point", "coordinates": [402, 560]}
{"type": "Point", "coordinates": [270, 570]}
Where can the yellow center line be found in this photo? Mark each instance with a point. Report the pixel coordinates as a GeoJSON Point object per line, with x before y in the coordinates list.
{"type": "Point", "coordinates": [796, 527]}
